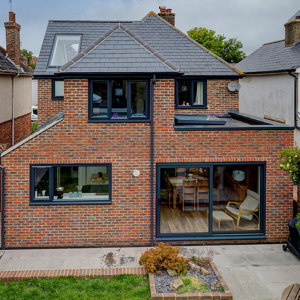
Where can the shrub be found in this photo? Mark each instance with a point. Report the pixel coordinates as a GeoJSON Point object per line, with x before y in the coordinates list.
{"type": "Point", "coordinates": [162, 257]}
{"type": "Point", "coordinates": [291, 163]}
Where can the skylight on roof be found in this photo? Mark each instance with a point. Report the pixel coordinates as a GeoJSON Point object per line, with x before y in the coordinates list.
{"type": "Point", "coordinates": [65, 48]}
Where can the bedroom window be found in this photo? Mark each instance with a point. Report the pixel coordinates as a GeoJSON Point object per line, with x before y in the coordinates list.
{"type": "Point", "coordinates": [119, 100]}
{"type": "Point", "coordinates": [70, 184]}
{"type": "Point", "coordinates": [191, 93]}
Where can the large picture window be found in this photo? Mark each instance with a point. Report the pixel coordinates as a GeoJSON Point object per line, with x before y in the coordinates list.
{"type": "Point", "coordinates": [118, 100]}
{"type": "Point", "coordinates": [210, 200]}
{"type": "Point", "coordinates": [67, 184]}
{"type": "Point", "coordinates": [191, 93]}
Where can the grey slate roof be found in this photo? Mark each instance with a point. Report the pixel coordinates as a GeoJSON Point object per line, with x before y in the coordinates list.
{"type": "Point", "coordinates": [271, 57]}
{"type": "Point", "coordinates": [167, 41]}
{"type": "Point", "coordinates": [6, 64]}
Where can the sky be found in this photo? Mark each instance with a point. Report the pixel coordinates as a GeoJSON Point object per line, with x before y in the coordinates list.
{"type": "Point", "coordinates": [253, 22]}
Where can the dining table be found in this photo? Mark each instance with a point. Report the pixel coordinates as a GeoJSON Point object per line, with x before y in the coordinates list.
{"type": "Point", "coordinates": [177, 185]}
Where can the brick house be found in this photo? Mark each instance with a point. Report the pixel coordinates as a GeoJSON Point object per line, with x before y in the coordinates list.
{"type": "Point", "coordinates": [15, 86]}
{"type": "Point", "coordinates": [141, 141]}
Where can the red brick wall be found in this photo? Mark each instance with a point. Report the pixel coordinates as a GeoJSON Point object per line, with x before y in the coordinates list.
{"type": "Point", "coordinates": [22, 129]}
{"type": "Point", "coordinates": [127, 147]}
{"type": "Point", "coordinates": [47, 107]}
{"type": "Point", "coordinates": [219, 98]}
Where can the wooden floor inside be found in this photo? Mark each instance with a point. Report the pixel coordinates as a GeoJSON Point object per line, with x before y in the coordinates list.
{"type": "Point", "coordinates": [174, 220]}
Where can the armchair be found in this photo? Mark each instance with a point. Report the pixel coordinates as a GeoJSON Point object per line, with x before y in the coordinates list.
{"type": "Point", "coordinates": [246, 210]}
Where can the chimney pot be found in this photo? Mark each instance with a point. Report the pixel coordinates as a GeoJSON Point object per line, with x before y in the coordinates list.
{"type": "Point", "coordinates": [12, 17]}
{"type": "Point", "coordinates": [162, 8]}
{"type": "Point", "coordinates": [169, 10]}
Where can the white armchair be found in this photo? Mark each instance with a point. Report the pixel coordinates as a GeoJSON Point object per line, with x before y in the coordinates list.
{"type": "Point", "coordinates": [246, 210]}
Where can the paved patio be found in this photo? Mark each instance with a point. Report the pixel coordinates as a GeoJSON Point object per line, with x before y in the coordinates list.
{"type": "Point", "coordinates": [257, 272]}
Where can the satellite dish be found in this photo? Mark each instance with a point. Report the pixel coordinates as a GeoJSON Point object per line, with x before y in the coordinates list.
{"type": "Point", "coordinates": [234, 86]}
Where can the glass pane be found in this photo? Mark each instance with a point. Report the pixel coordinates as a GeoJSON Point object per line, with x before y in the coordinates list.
{"type": "Point", "coordinates": [41, 183]}
{"type": "Point", "coordinates": [58, 88]}
{"type": "Point", "coordinates": [184, 92]}
{"type": "Point", "coordinates": [138, 99]}
{"type": "Point", "coordinates": [198, 93]}
{"type": "Point", "coordinates": [119, 99]}
{"type": "Point", "coordinates": [184, 200]}
{"type": "Point", "coordinates": [236, 198]}
{"type": "Point", "coordinates": [66, 47]}
{"type": "Point", "coordinates": [81, 183]}
{"type": "Point", "coordinates": [99, 99]}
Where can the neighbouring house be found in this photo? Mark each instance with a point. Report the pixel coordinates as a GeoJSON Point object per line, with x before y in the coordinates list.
{"type": "Point", "coordinates": [15, 87]}
{"type": "Point", "coordinates": [270, 89]}
{"type": "Point", "coordinates": [140, 141]}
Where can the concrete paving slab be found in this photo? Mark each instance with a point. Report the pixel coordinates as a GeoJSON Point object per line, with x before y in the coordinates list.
{"type": "Point", "coordinates": [289, 258]}
{"type": "Point", "coordinates": [12, 254]}
{"type": "Point", "coordinates": [3, 263]}
{"type": "Point", "coordinates": [16, 265]}
{"type": "Point", "coordinates": [72, 263]}
{"type": "Point", "coordinates": [248, 249]}
{"type": "Point", "coordinates": [92, 263]}
{"type": "Point", "coordinates": [231, 249]}
{"type": "Point", "coordinates": [258, 291]}
{"type": "Point", "coordinates": [276, 274]}
{"type": "Point", "coordinates": [274, 259]}
{"type": "Point", "coordinates": [93, 253]}
{"type": "Point", "coordinates": [256, 260]}
{"type": "Point", "coordinates": [78, 253]}
{"type": "Point", "coordinates": [58, 253]}
{"type": "Point", "coordinates": [238, 291]}
{"type": "Point", "coordinates": [276, 289]}
{"type": "Point", "coordinates": [222, 260]}
{"type": "Point", "coordinates": [53, 264]}
{"type": "Point", "coordinates": [246, 276]}
{"type": "Point", "coordinates": [237, 260]}
{"type": "Point", "coordinates": [36, 264]}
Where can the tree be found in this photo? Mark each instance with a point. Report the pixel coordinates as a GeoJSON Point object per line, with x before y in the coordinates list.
{"type": "Point", "coordinates": [29, 56]}
{"type": "Point", "coordinates": [229, 50]}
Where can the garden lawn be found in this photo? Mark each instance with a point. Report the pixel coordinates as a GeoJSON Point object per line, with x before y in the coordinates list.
{"type": "Point", "coordinates": [70, 288]}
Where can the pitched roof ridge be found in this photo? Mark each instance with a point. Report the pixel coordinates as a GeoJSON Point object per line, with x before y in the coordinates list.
{"type": "Point", "coordinates": [26, 66]}
{"type": "Point", "coordinates": [151, 13]}
{"type": "Point", "coordinates": [149, 48]}
{"type": "Point", "coordinates": [274, 42]}
{"type": "Point", "coordinates": [88, 49]}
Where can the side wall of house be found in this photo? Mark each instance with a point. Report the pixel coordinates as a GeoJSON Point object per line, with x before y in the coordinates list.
{"type": "Point", "coordinates": [22, 109]}
{"type": "Point", "coordinates": [127, 147]}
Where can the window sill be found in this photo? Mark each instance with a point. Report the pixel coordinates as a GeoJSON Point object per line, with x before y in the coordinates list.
{"type": "Point", "coordinates": [57, 98]}
{"type": "Point", "coordinates": [190, 107]}
{"type": "Point", "coordinates": [224, 236]}
{"type": "Point", "coordinates": [119, 121]}
{"type": "Point", "coordinates": [78, 202]}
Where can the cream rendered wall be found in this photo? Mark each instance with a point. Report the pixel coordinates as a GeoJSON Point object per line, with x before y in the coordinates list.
{"type": "Point", "coordinates": [23, 90]}
{"type": "Point", "coordinates": [5, 98]}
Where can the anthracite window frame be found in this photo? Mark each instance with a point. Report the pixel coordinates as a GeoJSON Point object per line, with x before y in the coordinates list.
{"type": "Point", "coordinates": [228, 235]}
{"type": "Point", "coordinates": [53, 47]}
{"type": "Point", "coordinates": [135, 119]}
{"type": "Point", "coordinates": [53, 90]}
{"type": "Point", "coordinates": [192, 105]}
{"type": "Point", "coordinates": [51, 200]}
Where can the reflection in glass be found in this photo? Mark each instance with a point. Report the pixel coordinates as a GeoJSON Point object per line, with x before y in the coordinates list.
{"type": "Point", "coordinates": [100, 99]}
{"type": "Point", "coordinates": [81, 183]}
{"type": "Point", "coordinates": [184, 200]}
{"type": "Point", "coordinates": [41, 183]}
{"type": "Point", "coordinates": [184, 92]}
{"type": "Point", "coordinates": [138, 98]}
{"type": "Point", "coordinates": [119, 99]}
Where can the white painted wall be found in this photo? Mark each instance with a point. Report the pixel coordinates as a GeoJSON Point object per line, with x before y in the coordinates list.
{"type": "Point", "coordinates": [34, 92]}
{"type": "Point", "coordinates": [272, 95]}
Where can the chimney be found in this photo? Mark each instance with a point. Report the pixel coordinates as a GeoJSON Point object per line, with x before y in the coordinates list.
{"type": "Point", "coordinates": [167, 15]}
{"type": "Point", "coordinates": [13, 38]}
{"type": "Point", "coordinates": [292, 30]}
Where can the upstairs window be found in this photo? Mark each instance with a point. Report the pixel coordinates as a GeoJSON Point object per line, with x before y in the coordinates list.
{"type": "Point", "coordinates": [64, 49]}
{"type": "Point", "coordinates": [191, 93]}
{"type": "Point", "coordinates": [57, 89]}
{"type": "Point", "coordinates": [119, 100]}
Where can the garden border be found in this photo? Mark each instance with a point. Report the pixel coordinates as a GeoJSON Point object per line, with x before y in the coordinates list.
{"type": "Point", "coordinates": [226, 295]}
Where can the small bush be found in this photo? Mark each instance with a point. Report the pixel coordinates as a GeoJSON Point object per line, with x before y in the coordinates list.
{"type": "Point", "coordinates": [34, 126]}
{"type": "Point", "coordinates": [162, 257]}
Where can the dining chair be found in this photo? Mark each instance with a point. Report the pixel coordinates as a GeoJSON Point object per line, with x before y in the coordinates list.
{"type": "Point", "coordinates": [189, 192]}
{"type": "Point", "coordinates": [202, 191]}
{"type": "Point", "coordinates": [216, 186]}
{"type": "Point", "coordinates": [168, 188]}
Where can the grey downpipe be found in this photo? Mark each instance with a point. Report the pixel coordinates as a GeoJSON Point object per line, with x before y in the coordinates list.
{"type": "Point", "coordinates": [295, 99]}
{"type": "Point", "coordinates": [152, 153]}
{"type": "Point", "coordinates": [2, 206]}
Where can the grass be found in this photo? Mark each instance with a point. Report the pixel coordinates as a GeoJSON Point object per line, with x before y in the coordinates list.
{"type": "Point", "coordinates": [69, 288]}
{"type": "Point", "coordinates": [193, 284]}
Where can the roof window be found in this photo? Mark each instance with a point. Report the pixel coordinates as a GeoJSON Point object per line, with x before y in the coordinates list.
{"type": "Point", "coordinates": [64, 49]}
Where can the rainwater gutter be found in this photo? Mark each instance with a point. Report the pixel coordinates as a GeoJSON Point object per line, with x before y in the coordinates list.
{"type": "Point", "coordinates": [152, 155]}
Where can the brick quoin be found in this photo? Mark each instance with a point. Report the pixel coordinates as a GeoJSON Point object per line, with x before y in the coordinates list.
{"type": "Point", "coordinates": [22, 129]}
{"type": "Point", "coordinates": [127, 147]}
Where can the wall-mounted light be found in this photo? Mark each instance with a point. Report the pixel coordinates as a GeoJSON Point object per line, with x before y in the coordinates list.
{"type": "Point", "coordinates": [136, 173]}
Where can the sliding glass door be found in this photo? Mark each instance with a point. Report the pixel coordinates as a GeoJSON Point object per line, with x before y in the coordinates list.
{"type": "Point", "coordinates": [210, 200]}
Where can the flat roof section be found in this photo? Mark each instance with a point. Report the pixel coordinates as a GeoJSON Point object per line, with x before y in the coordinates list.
{"type": "Point", "coordinates": [230, 121]}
